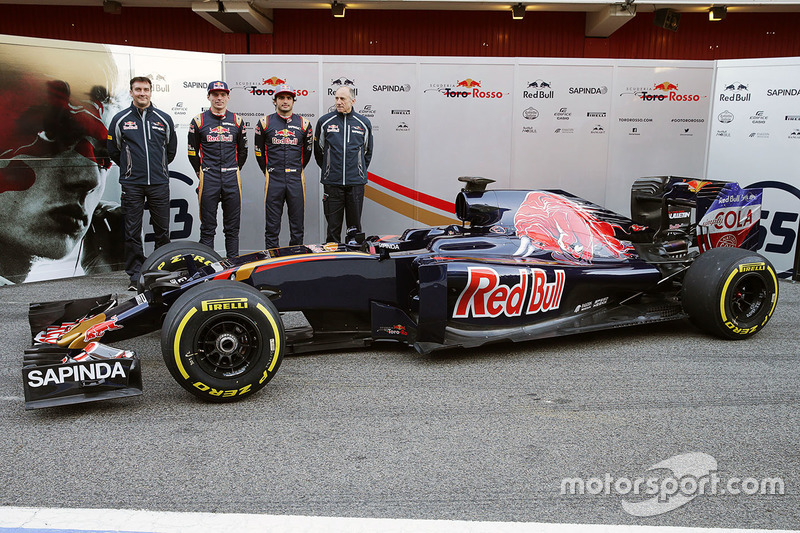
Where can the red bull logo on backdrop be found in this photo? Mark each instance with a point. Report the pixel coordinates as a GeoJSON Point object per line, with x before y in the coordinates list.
{"type": "Point", "coordinates": [485, 297]}
{"type": "Point", "coordinates": [274, 81]}
{"type": "Point", "coordinates": [665, 86]}
{"type": "Point", "coordinates": [571, 233]}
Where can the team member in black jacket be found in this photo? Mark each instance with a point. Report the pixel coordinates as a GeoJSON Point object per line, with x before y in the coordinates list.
{"type": "Point", "coordinates": [343, 149]}
{"type": "Point", "coordinates": [217, 151]}
{"type": "Point", "coordinates": [142, 142]}
{"type": "Point", "coordinates": [283, 144]}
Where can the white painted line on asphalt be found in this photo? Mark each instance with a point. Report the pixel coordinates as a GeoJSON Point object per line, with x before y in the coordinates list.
{"type": "Point", "coordinates": [28, 520]}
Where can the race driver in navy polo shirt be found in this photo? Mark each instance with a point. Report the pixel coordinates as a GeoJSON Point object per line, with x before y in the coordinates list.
{"type": "Point", "coordinates": [217, 151]}
{"type": "Point", "coordinates": [283, 145]}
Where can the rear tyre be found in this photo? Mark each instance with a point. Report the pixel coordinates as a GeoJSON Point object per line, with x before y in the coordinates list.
{"type": "Point", "coordinates": [730, 292]}
{"type": "Point", "coordinates": [169, 258]}
{"type": "Point", "coordinates": [222, 341]}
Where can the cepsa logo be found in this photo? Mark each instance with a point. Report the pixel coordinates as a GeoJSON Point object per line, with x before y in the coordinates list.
{"type": "Point", "coordinates": [466, 88]}
{"type": "Point", "coordinates": [665, 91]}
{"type": "Point", "coordinates": [485, 297]}
{"type": "Point", "coordinates": [266, 87]}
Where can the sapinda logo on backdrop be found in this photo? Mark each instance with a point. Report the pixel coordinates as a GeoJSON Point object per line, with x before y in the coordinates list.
{"type": "Point", "coordinates": [666, 91]}
{"type": "Point", "coordinates": [466, 88]}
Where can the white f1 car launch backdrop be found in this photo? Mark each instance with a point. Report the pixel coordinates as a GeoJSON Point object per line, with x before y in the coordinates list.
{"type": "Point", "coordinates": [589, 126]}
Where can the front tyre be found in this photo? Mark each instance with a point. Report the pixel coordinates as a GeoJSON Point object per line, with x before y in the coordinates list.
{"type": "Point", "coordinates": [170, 258]}
{"type": "Point", "coordinates": [222, 341]}
{"type": "Point", "coordinates": [730, 292]}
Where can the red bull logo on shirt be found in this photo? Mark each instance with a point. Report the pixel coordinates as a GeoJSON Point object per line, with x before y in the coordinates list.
{"type": "Point", "coordinates": [219, 134]}
{"type": "Point", "coordinates": [485, 297]}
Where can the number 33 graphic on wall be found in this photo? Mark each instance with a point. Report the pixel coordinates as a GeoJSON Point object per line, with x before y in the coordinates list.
{"type": "Point", "coordinates": [181, 220]}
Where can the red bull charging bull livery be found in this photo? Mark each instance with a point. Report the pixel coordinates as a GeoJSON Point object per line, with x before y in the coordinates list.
{"type": "Point", "coordinates": [522, 265]}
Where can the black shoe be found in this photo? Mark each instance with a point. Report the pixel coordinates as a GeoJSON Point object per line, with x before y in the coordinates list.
{"type": "Point", "coordinates": [132, 287]}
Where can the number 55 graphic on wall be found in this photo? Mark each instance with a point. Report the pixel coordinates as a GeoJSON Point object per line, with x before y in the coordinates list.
{"type": "Point", "coordinates": [778, 234]}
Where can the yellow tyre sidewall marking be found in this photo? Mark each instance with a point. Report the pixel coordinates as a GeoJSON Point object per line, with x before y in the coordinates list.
{"type": "Point", "coordinates": [725, 292]}
{"type": "Point", "coordinates": [177, 342]}
{"type": "Point", "coordinates": [775, 296]}
{"type": "Point", "coordinates": [276, 335]}
{"type": "Point", "coordinates": [193, 310]}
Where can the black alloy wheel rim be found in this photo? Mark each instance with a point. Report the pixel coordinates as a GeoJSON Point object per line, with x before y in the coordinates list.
{"type": "Point", "coordinates": [227, 345]}
{"type": "Point", "coordinates": [748, 298]}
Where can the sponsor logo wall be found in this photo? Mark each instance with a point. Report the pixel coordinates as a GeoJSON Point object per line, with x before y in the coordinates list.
{"type": "Point", "coordinates": [562, 113]}
{"type": "Point", "coordinates": [587, 126]}
{"type": "Point", "coordinates": [659, 124]}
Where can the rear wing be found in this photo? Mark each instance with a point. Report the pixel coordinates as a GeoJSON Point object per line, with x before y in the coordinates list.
{"type": "Point", "coordinates": [715, 213]}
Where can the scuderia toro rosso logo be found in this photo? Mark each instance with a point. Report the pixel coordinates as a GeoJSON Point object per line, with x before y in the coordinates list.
{"type": "Point", "coordinates": [486, 297]}
{"type": "Point", "coordinates": [466, 88]}
{"type": "Point", "coordinates": [666, 91]}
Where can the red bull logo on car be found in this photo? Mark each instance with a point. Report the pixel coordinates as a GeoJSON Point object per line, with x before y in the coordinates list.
{"type": "Point", "coordinates": [485, 297]}
{"type": "Point", "coordinates": [98, 330]}
{"type": "Point", "coordinates": [696, 185]}
{"type": "Point", "coordinates": [552, 223]}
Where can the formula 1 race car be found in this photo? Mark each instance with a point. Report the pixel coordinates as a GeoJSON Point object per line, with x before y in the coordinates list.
{"type": "Point", "coordinates": [522, 265]}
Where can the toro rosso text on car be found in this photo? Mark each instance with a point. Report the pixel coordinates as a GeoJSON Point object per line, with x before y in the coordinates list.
{"type": "Point", "coordinates": [522, 265]}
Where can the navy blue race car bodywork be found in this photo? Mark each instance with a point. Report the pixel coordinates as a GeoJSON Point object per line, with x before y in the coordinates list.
{"type": "Point", "coordinates": [522, 265]}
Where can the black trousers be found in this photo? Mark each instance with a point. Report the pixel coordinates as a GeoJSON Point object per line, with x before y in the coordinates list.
{"type": "Point", "coordinates": [214, 189]}
{"type": "Point", "coordinates": [289, 188]}
{"type": "Point", "coordinates": [342, 202]}
{"type": "Point", "coordinates": [133, 205]}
